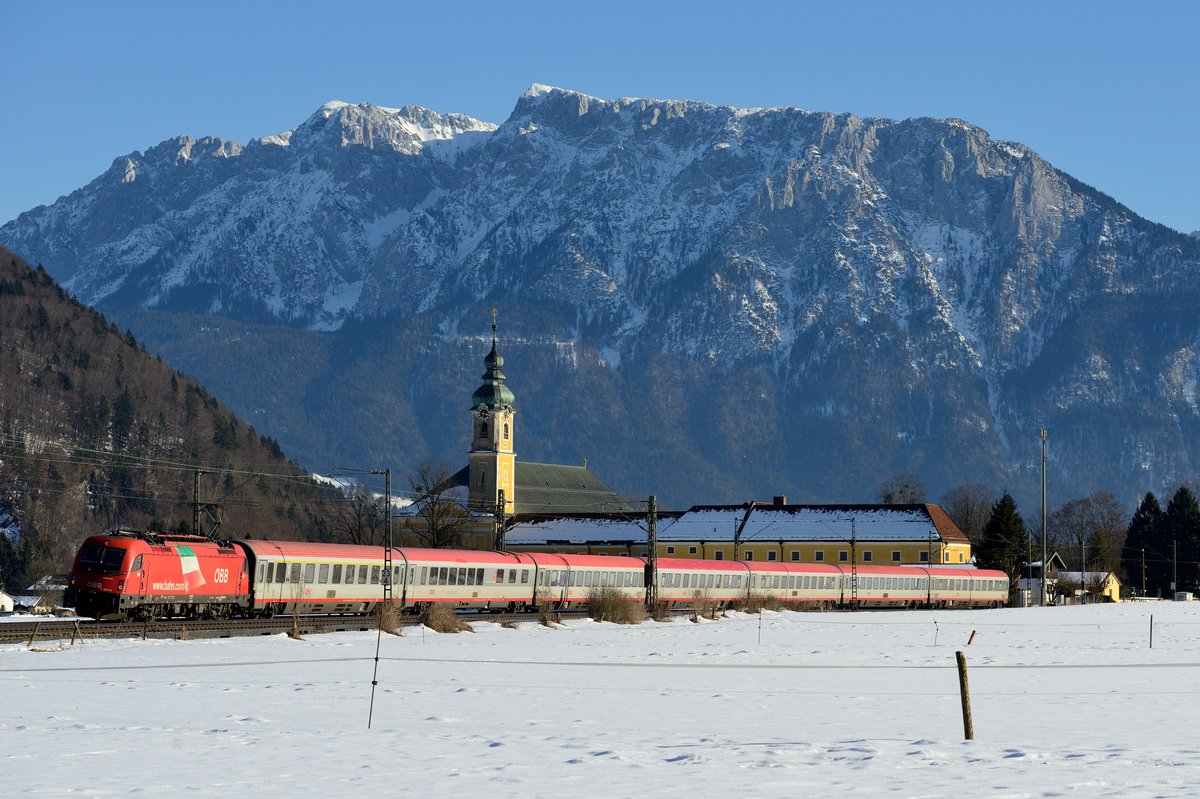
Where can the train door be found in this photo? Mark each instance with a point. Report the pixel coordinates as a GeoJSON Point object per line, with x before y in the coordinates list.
{"type": "Point", "coordinates": [137, 576]}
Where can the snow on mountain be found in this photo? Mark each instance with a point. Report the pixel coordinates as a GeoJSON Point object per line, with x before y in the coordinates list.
{"type": "Point", "coordinates": [904, 281]}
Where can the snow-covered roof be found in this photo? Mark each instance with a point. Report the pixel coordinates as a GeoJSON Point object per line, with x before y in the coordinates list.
{"type": "Point", "coordinates": [762, 522]}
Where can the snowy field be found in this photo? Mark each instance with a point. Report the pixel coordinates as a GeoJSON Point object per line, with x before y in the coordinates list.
{"type": "Point", "coordinates": [1067, 702]}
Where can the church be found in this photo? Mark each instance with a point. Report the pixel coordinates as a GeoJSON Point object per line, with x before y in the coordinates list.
{"type": "Point", "coordinates": [494, 479]}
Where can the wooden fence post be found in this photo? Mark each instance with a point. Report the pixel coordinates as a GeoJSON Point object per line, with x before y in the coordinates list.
{"type": "Point", "coordinates": [964, 691]}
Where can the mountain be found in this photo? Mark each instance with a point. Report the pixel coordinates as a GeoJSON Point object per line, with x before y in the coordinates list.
{"type": "Point", "coordinates": [96, 433]}
{"type": "Point", "coordinates": [709, 303]}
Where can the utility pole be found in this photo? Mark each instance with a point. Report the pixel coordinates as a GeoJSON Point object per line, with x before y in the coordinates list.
{"type": "Point", "coordinates": [652, 551]}
{"type": "Point", "coordinates": [1143, 571]}
{"type": "Point", "coordinates": [387, 551]}
{"type": "Point", "coordinates": [853, 564]}
{"type": "Point", "coordinates": [196, 501]}
{"type": "Point", "coordinates": [386, 581]}
{"type": "Point", "coordinates": [1042, 601]}
{"type": "Point", "coordinates": [500, 543]}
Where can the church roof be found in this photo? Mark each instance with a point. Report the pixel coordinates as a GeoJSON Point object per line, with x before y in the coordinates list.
{"type": "Point", "coordinates": [550, 488]}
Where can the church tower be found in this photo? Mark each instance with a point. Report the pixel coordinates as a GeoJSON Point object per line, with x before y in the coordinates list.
{"type": "Point", "coordinates": [493, 461]}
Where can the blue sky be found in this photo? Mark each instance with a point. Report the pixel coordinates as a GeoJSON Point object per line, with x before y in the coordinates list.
{"type": "Point", "coordinates": [1105, 91]}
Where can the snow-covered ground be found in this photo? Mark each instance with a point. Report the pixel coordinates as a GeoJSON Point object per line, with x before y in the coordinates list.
{"type": "Point", "coordinates": [1067, 702]}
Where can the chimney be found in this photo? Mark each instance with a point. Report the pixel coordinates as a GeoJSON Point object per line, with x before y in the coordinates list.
{"type": "Point", "coordinates": [779, 500]}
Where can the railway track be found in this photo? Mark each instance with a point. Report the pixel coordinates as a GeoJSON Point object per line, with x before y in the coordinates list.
{"type": "Point", "coordinates": [55, 630]}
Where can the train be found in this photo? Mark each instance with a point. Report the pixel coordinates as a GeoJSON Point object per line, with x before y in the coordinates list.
{"type": "Point", "coordinates": [133, 575]}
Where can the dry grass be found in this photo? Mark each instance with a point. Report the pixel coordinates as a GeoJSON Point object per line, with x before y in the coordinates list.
{"type": "Point", "coordinates": [442, 619]}
{"type": "Point", "coordinates": [388, 616]}
{"type": "Point", "coordinates": [756, 603]}
{"type": "Point", "coordinates": [608, 604]}
{"type": "Point", "coordinates": [661, 612]}
{"type": "Point", "coordinates": [704, 606]}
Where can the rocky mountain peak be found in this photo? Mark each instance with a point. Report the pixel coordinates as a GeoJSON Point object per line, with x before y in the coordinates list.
{"type": "Point", "coordinates": [910, 282]}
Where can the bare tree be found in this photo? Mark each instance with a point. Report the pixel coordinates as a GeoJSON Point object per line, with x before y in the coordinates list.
{"type": "Point", "coordinates": [1090, 532]}
{"type": "Point", "coordinates": [902, 489]}
{"type": "Point", "coordinates": [361, 518]}
{"type": "Point", "coordinates": [440, 517]}
{"type": "Point", "coordinates": [970, 506]}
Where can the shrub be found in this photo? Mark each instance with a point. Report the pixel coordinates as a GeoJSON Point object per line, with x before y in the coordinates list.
{"type": "Point", "coordinates": [388, 616]}
{"type": "Point", "coordinates": [609, 604]}
{"type": "Point", "coordinates": [547, 617]}
{"type": "Point", "coordinates": [704, 605]}
{"type": "Point", "coordinates": [442, 619]}
{"type": "Point", "coordinates": [756, 603]}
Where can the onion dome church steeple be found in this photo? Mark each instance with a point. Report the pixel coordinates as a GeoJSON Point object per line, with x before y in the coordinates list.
{"type": "Point", "coordinates": [493, 393]}
{"type": "Point", "coordinates": [493, 460]}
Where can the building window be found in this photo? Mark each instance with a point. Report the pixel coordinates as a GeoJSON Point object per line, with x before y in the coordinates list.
{"type": "Point", "coordinates": [719, 555]}
{"type": "Point", "coordinates": [924, 556]}
{"type": "Point", "coordinates": [483, 430]}
{"type": "Point", "coordinates": [843, 556]}
{"type": "Point", "coordinates": [960, 557]}
{"type": "Point", "coordinates": [670, 550]}
{"type": "Point", "coordinates": [895, 556]}
{"type": "Point", "coordinates": [749, 556]}
{"type": "Point", "coordinates": [867, 556]}
{"type": "Point", "coordinates": [795, 554]}
{"type": "Point", "coordinates": [819, 556]}
{"type": "Point", "coordinates": [506, 431]}
{"type": "Point", "coordinates": [771, 555]}
{"type": "Point", "coordinates": [691, 550]}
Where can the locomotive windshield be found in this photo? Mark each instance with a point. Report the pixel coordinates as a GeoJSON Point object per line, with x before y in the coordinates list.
{"type": "Point", "coordinates": [100, 559]}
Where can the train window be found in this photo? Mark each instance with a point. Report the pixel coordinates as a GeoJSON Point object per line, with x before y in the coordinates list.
{"type": "Point", "coordinates": [477, 577]}
{"type": "Point", "coordinates": [294, 577]}
{"type": "Point", "coordinates": [524, 576]}
{"type": "Point", "coordinates": [310, 572]}
{"type": "Point", "coordinates": [337, 572]}
{"type": "Point", "coordinates": [280, 569]}
{"type": "Point", "coordinates": [819, 555]}
{"type": "Point", "coordinates": [396, 578]}
{"type": "Point", "coordinates": [323, 573]}
{"type": "Point", "coordinates": [259, 573]}
{"type": "Point", "coordinates": [687, 581]}
{"type": "Point", "coordinates": [443, 575]}
{"type": "Point", "coordinates": [375, 575]}
{"type": "Point", "coordinates": [512, 575]}
{"type": "Point", "coordinates": [362, 575]}
{"type": "Point", "coordinates": [424, 575]}
{"type": "Point", "coordinates": [711, 580]}
{"type": "Point", "coordinates": [270, 573]}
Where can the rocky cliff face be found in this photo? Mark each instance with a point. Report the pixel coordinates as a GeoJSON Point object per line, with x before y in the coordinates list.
{"type": "Point", "coordinates": [782, 300]}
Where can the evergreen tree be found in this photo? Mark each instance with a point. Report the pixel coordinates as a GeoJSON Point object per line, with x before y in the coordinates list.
{"type": "Point", "coordinates": [1005, 544]}
{"type": "Point", "coordinates": [1181, 527]}
{"type": "Point", "coordinates": [1143, 546]}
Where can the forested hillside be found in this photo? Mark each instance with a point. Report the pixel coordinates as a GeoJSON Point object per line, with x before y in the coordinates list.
{"type": "Point", "coordinates": [96, 433]}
